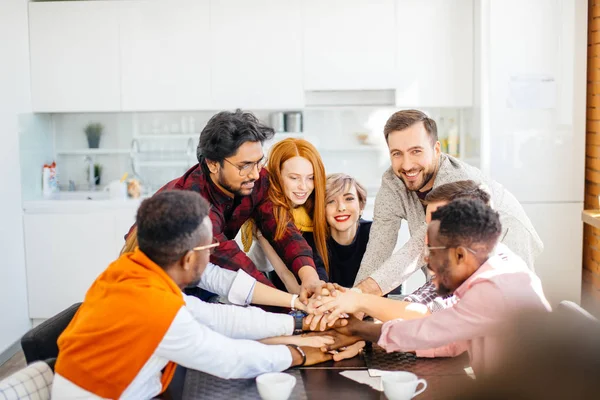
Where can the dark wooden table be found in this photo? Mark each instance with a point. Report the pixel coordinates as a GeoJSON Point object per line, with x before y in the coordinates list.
{"type": "Point", "coordinates": [444, 376]}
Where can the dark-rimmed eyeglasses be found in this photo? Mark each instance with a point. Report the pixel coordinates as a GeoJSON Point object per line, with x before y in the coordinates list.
{"type": "Point", "coordinates": [249, 167]}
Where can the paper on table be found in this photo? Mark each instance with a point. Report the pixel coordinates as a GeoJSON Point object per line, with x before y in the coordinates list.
{"type": "Point", "coordinates": [364, 378]}
{"type": "Point", "coordinates": [376, 372]}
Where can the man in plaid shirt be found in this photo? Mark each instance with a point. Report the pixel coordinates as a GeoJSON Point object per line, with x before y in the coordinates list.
{"type": "Point", "coordinates": [230, 176]}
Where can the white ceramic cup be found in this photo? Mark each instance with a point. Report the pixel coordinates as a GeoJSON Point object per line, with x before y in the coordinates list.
{"type": "Point", "coordinates": [275, 385]}
{"type": "Point", "coordinates": [402, 385]}
{"type": "Point", "coordinates": [117, 190]}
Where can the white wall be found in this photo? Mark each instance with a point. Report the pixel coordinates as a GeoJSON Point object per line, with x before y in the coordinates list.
{"type": "Point", "coordinates": [14, 100]}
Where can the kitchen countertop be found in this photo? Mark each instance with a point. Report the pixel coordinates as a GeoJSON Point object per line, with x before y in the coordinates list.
{"type": "Point", "coordinates": [591, 217]}
{"type": "Point", "coordinates": [77, 206]}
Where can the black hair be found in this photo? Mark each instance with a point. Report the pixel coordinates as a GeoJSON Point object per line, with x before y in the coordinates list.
{"type": "Point", "coordinates": [227, 131]}
{"type": "Point", "coordinates": [169, 224]}
{"type": "Point", "coordinates": [465, 222]}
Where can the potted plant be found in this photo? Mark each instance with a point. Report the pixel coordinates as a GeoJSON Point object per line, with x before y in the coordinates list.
{"type": "Point", "coordinates": [93, 131]}
{"type": "Point", "coordinates": [97, 173]}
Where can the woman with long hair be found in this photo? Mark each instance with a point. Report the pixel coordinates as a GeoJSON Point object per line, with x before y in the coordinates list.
{"type": "Point", "coordinates": [297, 191]}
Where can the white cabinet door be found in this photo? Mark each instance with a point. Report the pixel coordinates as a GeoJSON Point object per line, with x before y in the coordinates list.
{"type": "Point", "coordinates": [65, 253]}
{"type": "Point", "coordinates": [560, 264]}
{"type": "Point", "coordinates": [165, 62]}
{"type": "Point", "coordinates": [256, 54]}
{"type": "Point", "coordinates": [74, 50]}
{"type": "Point", "coordinates": [349, 44]}
{"type": "Point", "coordinates": [435, 53]}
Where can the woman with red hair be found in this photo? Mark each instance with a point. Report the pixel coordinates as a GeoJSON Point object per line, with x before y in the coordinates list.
{"type": "Point", "coordinates": [297, 190]}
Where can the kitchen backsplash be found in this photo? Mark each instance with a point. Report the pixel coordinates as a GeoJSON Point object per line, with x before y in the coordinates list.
{"type": "Point", "coordinates": [350, 139]}
{"type": "Point", "coordinates": [36, 147]}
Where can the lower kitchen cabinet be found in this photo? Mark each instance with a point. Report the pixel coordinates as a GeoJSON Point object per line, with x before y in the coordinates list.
{"type": "Point", "coordinates": [66, 252]}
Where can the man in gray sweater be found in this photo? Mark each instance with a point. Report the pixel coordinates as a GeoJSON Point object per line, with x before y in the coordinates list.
{"type": "Point", "coordinates": [418, 165]}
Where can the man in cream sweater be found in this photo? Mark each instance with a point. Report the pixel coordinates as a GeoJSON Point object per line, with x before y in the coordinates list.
{"type": "Point", "coordinates": [418, 166]}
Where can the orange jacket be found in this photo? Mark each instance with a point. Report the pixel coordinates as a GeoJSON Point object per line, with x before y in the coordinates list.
{"type": "Point", "coordinates": [125, 315]}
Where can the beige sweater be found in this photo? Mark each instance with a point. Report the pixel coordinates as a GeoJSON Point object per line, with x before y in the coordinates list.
{"type": "Point", "coordinates": [395, 203]}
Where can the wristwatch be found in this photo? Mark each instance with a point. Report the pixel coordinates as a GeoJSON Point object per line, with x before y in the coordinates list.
{"type": "Point", "coordinates": [298, 320]}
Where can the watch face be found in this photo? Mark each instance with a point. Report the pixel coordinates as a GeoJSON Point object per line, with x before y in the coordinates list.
{"type": "Point", "coordinates": [298, 314]}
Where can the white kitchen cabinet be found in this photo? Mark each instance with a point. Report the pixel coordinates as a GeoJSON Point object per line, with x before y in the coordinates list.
{"type": "Point", "coordinates": [74, 50]}
{"type": "Point", "coordinates": [65, 252]}
{"type": "Point", "coordinates": [256, 54]}
{"type": "Point", "coordinates": [165, 58]}
{"type": "Point", "coordinates": [349, 44]}
{"type": "Point", "coordinates": [434, 53]}
{"type": "Point", "coordinates": [559, 266]}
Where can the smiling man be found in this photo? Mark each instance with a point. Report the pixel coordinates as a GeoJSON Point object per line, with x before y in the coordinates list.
{"type": "Point", "coordinates": [230, 175]}
{"type": "Point", "coordinates": [418, 166]}
{"type": "Point", "coordinates": [492, 287]}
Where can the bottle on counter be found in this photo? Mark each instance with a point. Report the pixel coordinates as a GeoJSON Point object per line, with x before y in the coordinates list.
{"type": "Point", "coordinates": [453, 138]}
{"type": "Point", "coordinates": [443, 135]}
{"type": "Point", "coordinates": [49, 181]}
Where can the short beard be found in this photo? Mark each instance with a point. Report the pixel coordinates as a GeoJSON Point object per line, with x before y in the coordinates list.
{"type": "Point", "coordinates": [236, 192]}
{"type": "Point", "coordinates": [443, 291]}
{"type": "Point", "coordinates": [194, 283]}
{"type": "Point", "coordinates": [426, 178]}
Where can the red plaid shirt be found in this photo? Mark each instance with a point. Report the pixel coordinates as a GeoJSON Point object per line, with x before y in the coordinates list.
{"type": "Point", "coordinates": [292, 248]}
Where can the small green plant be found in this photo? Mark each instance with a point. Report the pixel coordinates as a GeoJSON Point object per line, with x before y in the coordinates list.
{"type": "Point", "coordinates": [93, 131]}
{"type": "Point", "coordinates": [97, 173]}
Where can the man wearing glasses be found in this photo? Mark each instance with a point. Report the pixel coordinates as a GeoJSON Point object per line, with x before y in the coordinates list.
{"type": "Point", "coordinates": [491, 286]}
{"type": "Point", "coordinates": [230, 176]}
{"type": "Point", "coordinates": [135, 323]}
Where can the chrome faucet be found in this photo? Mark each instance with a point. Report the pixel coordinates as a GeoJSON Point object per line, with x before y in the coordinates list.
{"type": "Point", "coordinates": [89, 162]}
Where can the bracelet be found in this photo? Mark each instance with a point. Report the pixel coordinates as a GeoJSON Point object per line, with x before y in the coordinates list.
{"type": "Point", "coordinates": [299, 350]}
{"type": "Point", "coordinates": [294, 297]}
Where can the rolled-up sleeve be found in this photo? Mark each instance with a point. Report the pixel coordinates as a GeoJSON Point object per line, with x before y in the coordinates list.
{"type": "Point", "coordinates": [474, 315]}
{"type": "Point", "coordinates": [237, 286]}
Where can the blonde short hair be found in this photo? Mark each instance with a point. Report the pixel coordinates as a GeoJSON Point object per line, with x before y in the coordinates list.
{"type": "Point", "coordinates": [341, 183]}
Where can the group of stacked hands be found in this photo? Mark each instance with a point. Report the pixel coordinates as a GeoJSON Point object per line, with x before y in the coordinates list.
{"type": "Point", "coordinates": [303, 229]}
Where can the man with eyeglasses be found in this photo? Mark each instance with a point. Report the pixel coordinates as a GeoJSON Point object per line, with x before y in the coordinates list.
{"type": "Point", "coordinates": [491, 286]}
{"type": "Point", "coordinates": [135, 324]}
{"type": "Point", "coordinates": [230, 176]}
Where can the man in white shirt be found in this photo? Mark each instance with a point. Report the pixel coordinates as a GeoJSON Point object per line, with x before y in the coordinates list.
{"type": "Point", "coordinates": [135, 323]}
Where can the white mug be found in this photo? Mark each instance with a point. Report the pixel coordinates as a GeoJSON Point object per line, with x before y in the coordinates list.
{"type": "Point", "coordinates": [401, 385]}
{"type": "Point", "coordinates": [275, 385]}
{"type": "Point", "coordinates": [117, 190]}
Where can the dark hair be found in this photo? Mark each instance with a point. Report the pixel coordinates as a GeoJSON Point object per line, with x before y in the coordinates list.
{"type": "Point", "coordinates": [465, 222]}
{"type": "Point", "coordinates": [169, 224]}
{"type": "Point", "coordinates": [405, 119]}
{"type": "Point", "coordinates": [227, 131]}
{"type": "Point", "coordinates": [467, 189]}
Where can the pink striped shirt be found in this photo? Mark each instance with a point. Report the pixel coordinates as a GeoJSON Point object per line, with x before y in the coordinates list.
{"type": "Point", "coordinates": [502, 286]}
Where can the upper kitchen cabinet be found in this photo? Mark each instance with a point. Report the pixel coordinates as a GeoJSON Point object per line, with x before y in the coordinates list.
{"type": "Point", "coordinates": [74, 48]}
{"type": "Point", "coordinates": [349, 44]}
{"type": "Point", "coordinates": [256, 54]}
{"type": "Point", "coordinates": [165, 63]}
{"type": "Point", "coordinates": [434, 53]}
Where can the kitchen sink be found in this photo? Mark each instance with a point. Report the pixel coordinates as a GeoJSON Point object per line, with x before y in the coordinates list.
{"type": "Point", "coordinates": [80, 195]}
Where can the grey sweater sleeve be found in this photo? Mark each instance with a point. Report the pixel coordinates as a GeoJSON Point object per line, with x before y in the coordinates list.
{"type": "Point", "coordinates": [402, 264]}
{"type": "Point", "coordinates": [387, 217]}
